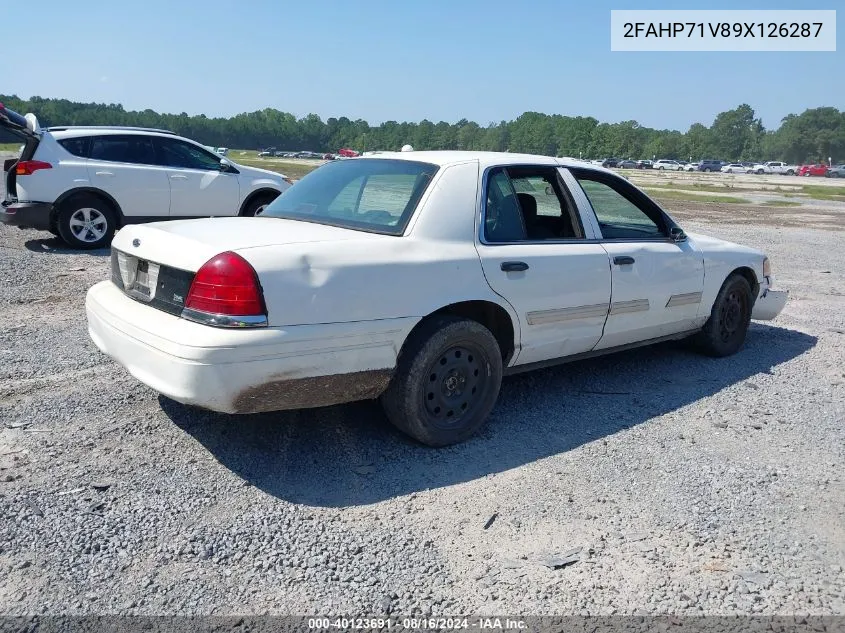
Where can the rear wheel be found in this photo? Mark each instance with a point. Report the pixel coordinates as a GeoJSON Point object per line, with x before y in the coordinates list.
{"type": "Point", "coordinates": [725, 330]}
{"type": "Point", "coordinates": [257, 205]}
{"type": "Point", "coordinates": [447, 381]}
{"type": "Point", "coordinates": [86, 222]}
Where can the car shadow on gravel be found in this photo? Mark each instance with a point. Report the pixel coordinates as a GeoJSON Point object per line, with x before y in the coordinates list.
{"type": "Point", "coordinates": [55, 246]}
{"type": "Point", "coordinates": [350, 455]}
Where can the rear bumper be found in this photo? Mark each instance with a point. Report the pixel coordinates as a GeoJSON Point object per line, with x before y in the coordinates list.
{"type": "Point", "coordinates": [769, 304]}
{"type": "Point", "coordinates": [27, 215]}
{"type": "Point", "coordinates": [245, 371]}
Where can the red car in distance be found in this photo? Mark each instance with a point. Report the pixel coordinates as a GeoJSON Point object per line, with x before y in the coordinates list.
{"type": "Point", "coordinates": [812, 170]}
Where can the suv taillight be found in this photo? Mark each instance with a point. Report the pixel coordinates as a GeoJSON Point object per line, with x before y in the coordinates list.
{"type": "Point", "coordinates": [28, 167]}
{"type": "Point", "coordinates": [225, 292]}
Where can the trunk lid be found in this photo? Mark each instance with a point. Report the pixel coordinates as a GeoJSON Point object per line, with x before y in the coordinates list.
{"type": "Point", "coordinates": [156, 263]}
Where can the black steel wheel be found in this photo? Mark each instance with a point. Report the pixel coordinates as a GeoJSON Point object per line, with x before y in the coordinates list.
{"type": "Point", "coordinates": [447, 381]}
{"type": "Point", "coordinates": [725, 330]}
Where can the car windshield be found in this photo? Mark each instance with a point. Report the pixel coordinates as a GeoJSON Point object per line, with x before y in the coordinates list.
{"type": "Point", "coordinates": [369, 194]}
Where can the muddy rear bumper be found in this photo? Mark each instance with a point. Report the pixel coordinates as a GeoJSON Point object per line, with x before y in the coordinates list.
{"type": "Point", "coordinates": [245, 371]}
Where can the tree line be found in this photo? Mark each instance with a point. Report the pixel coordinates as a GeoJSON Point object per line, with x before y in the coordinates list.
{"type": "Point", "coordinates": [812, 136]}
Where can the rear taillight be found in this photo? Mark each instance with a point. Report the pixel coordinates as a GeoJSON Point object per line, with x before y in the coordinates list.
{"type": "Point", "coordinates": [225, 292]}
{"type": "Point", "coordinates": [29, 167]}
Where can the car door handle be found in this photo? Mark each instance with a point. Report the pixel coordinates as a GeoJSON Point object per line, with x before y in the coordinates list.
{"type": "Point", "coordinates": [104, 173]}
{"type": "Point", "coordinates": [623, 260]}
{"type": "Point", "coordinates": [514, 267]}
{"type": "Point", "coordinates": [178, 177]}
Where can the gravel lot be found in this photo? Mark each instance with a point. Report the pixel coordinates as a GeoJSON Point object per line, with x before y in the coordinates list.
{"type": "Point", "coordinates": [686, 484]}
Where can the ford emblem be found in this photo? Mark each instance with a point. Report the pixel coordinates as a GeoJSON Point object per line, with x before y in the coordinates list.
{"type": "Point", "coordinates": [136, 242]}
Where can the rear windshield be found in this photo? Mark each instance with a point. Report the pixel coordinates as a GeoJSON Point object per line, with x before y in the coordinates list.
{"type": "Point", "coordinates": [369, 194]}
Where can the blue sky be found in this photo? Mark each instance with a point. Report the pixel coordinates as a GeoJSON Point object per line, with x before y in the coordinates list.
{"type": "Point", "coordinates": [392, 59]}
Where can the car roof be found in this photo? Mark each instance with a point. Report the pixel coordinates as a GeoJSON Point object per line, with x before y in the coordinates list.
{"type": "Point", "coordinates": [444, 158]}
{"type": "Point", "coordinates": [74, 132]}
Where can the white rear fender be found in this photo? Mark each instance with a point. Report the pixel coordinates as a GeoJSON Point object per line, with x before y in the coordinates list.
{"type": "Point", "coordinates": [360, 280]}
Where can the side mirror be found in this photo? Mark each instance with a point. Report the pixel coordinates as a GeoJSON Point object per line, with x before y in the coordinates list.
{"type": "Point", "coordinates": [225, 165]}
{"type": "Point", "coordinates": [677, 234]}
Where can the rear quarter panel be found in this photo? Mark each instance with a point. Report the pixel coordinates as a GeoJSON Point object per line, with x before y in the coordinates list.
{"type": "Point", "coordinates": [46, 185]}
{"type": "Point", "coordinates": [330, 282]}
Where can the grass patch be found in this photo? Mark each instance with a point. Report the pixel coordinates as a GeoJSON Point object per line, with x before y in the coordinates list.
{"type": "Point", "coordinates": [781, 203]}
{"type": "Point", "coordinates": [693, 197]}
{"type": "Point", "coordinates": [10, 147]}
{"type": "Point", "coordinates": [290, 169]}
{"type": "Point", "coordinates": [821, 192]}
{"type": "Point", "coordinates": [698, 186]}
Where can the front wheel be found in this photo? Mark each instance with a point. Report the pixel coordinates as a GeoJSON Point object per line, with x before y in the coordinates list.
{"type": "Point", "coordinates": [446, 383]}
{"type": "Point", "coordinates": [790, 172]}
{"type": "Point", "coordinates": [257, 205]}
{"type": "Point", "coordinates": [724, 332]}
{"type": "Point", "coordinates": [86, 222]}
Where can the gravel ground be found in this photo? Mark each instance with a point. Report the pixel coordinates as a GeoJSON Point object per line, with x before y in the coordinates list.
{"type": "Point", "coordinates": [683, 484]}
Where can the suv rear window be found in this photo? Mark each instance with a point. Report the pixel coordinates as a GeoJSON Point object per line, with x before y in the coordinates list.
{"type": "Point", "coordinates": [76, 146]}
{"type": "Point", "coordinates": [370, 194]}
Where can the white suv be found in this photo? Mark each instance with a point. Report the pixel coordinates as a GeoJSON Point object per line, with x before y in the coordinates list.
{"type": "Point", "coordinates": [83, 183]}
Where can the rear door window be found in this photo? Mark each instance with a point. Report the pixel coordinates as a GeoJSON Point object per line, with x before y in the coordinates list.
{"type": "Point", "coordinates": [120, 148]}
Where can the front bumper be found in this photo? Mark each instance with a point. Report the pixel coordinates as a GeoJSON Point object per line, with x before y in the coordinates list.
{"type": "Point", "coordinates": [769, 304]}
{"type": "Point", "coordinates": [27, 215]}
{"type": "Point", "coordinates": [245, 371]}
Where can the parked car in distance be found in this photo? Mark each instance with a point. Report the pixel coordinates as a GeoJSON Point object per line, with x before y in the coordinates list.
{"type": "Point", "coordinates": [627, 164]}
{"type": "Point", "coordinates": [667, 164]}
{"type": "Point", "coordinates": [759, 168]}
{"type": "Point", "coordinates": [265, 153]}
{"type": "Point", "coordinates": [610, 162]}
{"type": "Point", "coordinates": [735, 168]}
{"type": "Point", "coordinates": [709, 165]}
{"type": "Point", "coordinates": [83, 183]}
{"type": "Point", "coordinates": [644, 164]}
{"type": "Point", "coordinates": [691, 167]}
{"type": "Point", "coordinates": [818, 169]}
{"type": "Point", "coordinates": [281, 312]}
{"type": "Point", "coordinates": [779, 167]}
{"type": "Point", "coordinates": [837, 171]}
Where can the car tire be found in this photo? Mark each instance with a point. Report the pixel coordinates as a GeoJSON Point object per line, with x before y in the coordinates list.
{"type": "Point", "coordinates": [257, 204]}
{"type": "Point", "coordinates": [790, 172]}
{"type": "Point", "coordinates": [661, 168]}
{"type": "Point", "coordinates": [724, 332]}
{"type": "Point", "coordinates": [86, 222]}
{"type": "Point", "coordinates": [706, 170]}
{"type": "Point", "coordinates": [760, 172]}
{"type": "Point", "coordinates": [447, 380]}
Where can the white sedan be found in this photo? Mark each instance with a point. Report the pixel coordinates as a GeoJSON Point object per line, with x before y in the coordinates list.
{"type": "Point", "coordinates": [419, 278]}
{"type": "Point", "coordinates": [736, 168]}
